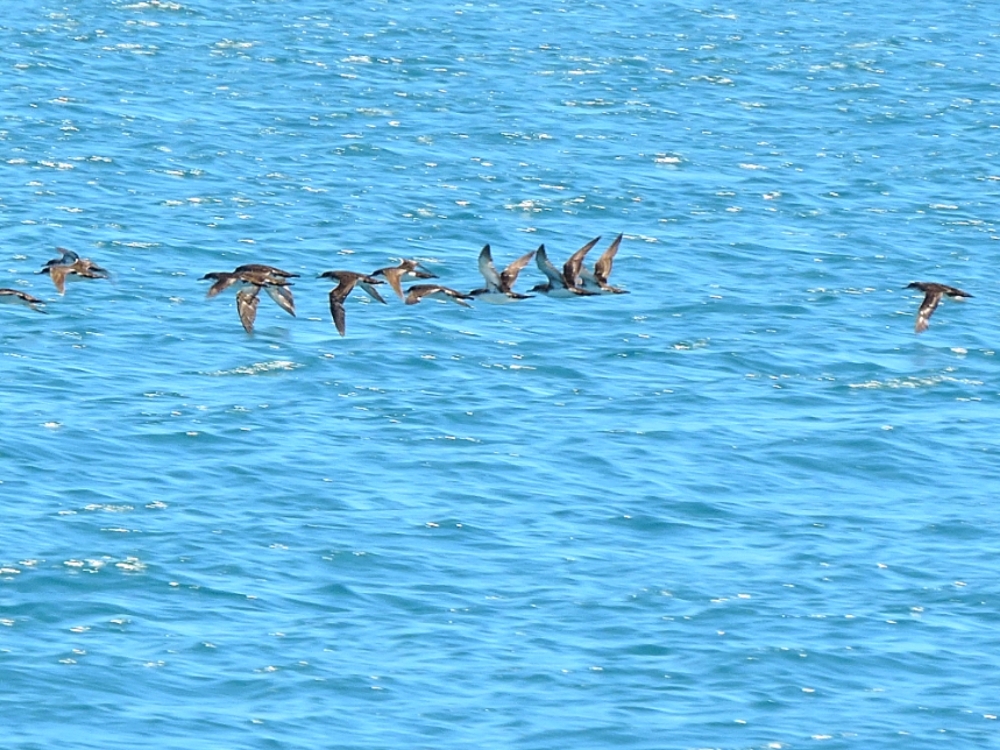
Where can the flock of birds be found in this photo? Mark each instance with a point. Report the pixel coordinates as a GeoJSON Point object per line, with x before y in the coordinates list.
{"type": "Point", "coordinates": [574, 280]}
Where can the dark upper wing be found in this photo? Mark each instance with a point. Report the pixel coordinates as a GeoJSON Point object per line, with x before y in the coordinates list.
{"type": "Point", "coordinates": [571, 269]}
{"type": "Point", "coordinates": [337, 311]}
{"type": "Point", "coordinates": [602, 268]}
{"type": "Point", "coordinates": [509, 275]}
{"type": "Point", "coordinates": [224, 281]}
{"type": "Point", "coordinates": [346, 284]}
{"type": "Point", "coordinates": [954, 291]}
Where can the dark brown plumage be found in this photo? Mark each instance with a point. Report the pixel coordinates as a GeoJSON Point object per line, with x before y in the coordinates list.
{"type": "Point", "coordinates": [250, 279]}
{"type": "Point", "coordinates": [418, 292]}
{"type": "Point", "coordinates": [933, 292]}
{"type": "Point", "coordinates": [347, 280]}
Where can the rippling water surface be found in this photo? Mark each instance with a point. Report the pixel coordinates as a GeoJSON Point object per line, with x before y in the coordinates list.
{"type": "Point", "coordinates": [743, 506]}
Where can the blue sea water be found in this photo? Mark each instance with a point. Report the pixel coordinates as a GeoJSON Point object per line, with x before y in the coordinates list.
{"type": "Point", "coordinates": [743, 506]}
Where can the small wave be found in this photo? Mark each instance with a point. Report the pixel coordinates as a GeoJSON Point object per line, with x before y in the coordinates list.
{"type": "Point", "coordinates": [257, 368]}
{"type": "Point", "coordinates": [914, 382]}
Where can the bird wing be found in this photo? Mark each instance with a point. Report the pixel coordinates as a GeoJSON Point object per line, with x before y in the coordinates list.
{"type": "Point", "coordinates": [338, 313]}
{"type": "Point", "coordinates": [283, 296]}
{"type": "Point", "coordinates": [488, 270]}
{"type": "Point", "coordinates": [92, 270]}
{"type": "Point", "coordinates": [546, 267]}
{"type": "Point", "coordinates": [368, 284]}
{"type": "Point", "coordinates": [345, 285]}
{"type": "Point", "coordinates": [955, 292]}
{"type": "Point", "coordinates": [509, 275]}
{"type": "Point", "coordinates": [246, 306]}
{"type": "Point", "coordinates": [571, 269]}
{"type": "Point", "coordinates": [58, 274]}
{"type": "Point", "coordinates": [927, 308]}
{"type": "Point", "coordinates": [455, 296]}
{"type": "Point", "coordinates": [68, 258]}
{"type": "Point", "coordinates": [392, 275]}
{"type": "Point", "coordinates": [602, 268]}
{"type": "Point", "coordinates": [224, 281]}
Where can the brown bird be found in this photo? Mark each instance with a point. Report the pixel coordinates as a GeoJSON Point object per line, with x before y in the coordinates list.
{"type": "Point", "coordinates": [597, 279]}
{"type": "Point", "coordinates": [933, 292]}
{"type": "Point", "coordinates": [276, 287]}
{"type": "Point", "coordinates": [499, 286]}
{"type": "Point", "coordinates": [250, 279]}
{"type": "Point", "coordinates": [435, 291]}
{"type": "Point", "coordinates": [17, 297]}
{"type": "Point", "coordinates": [395, 274]}
{"type": "Point", "coordinates": [347, 280]}
{"type": "Point", "coordinates": [71, 265]}
{"type": "Point", "coordinates": [567, 283]}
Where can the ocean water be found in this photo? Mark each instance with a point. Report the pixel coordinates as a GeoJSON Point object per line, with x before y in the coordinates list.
{"type": "Point", "coordinates": [742, 506]}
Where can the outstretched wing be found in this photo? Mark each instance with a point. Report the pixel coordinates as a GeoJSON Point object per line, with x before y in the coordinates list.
{"type": "Point", "coordinates": [283, 296]}
{"type": "Point", "coordinates": [368, 285]}
{"type": "Point", "coordinates": [338, 313]}
{"type": "Point", "coordinates": [927, 308]}
{"type": "Point", "coordinates": [225, 280]}
{"type": "Point", "coordinates": [509, 275]}
{"type": "Point", "coordinates": [393, 275]}
{"type": "Point", "coordinates": [602, 268]}
{"type": "Point", "coordinates": [546, 267]}
{"type": "Point", "coordinates": [246, 306]}
{"type": "Point", "coordinates": [58, 275]}
{"type": "Point", "coordinates": [571, 269]}
{"type": "Point", "coordinates": [489, 271]}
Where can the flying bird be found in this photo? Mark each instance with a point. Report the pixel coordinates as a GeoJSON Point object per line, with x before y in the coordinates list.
{"type": "Point", "coordinates": [406, 268]}
{"type": "Point", "coordinates": [17, 297]}
{"type": "Point", "coordinates": [249, 280]}
{"type": "Point", "coordinates": [435, 291]}
{"type": "Point", "coordinates": [71, 266]}
{"type": "Point", "coordinates": [566, 283]}
{"type": "Point", "coordinates": [499, 286]}
{"type": "Point", "coordinates": [347, 280]}
{"type": "Point", "coordinates": [598, 278]}
{"type": "Point", "coordinates": [933, 292]}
